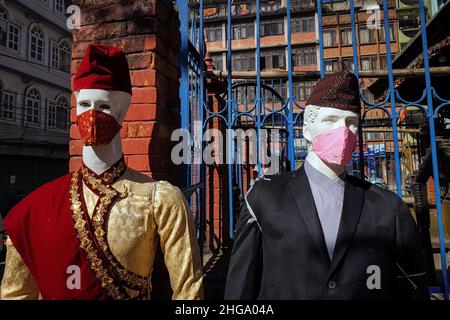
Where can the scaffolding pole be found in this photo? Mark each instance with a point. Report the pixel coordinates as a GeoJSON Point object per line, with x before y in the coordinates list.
{"type": "Point", "coordinates": [405, 73]}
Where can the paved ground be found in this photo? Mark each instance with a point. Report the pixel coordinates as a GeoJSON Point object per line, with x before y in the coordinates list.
{"type": "Point", "coordinates": [215, 270]}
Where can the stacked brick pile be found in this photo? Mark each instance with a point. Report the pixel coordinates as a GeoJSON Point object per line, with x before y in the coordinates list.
{"type": "Point", "coordinates": [148, 32]}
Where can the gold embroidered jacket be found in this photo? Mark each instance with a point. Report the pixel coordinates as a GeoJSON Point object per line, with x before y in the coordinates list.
{"type": "Point", "coordinates": [131, 215]}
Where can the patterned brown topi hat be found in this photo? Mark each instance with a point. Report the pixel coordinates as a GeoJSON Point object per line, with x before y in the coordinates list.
{"type": "Point", "coordinates": [339, 90]}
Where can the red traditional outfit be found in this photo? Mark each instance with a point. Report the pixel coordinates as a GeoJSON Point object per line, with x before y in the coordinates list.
{"type": "Point", "coordinates": [107, 226]}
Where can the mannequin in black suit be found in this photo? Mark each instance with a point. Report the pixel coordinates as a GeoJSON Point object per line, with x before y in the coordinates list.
{"type": "Point", "coordinates": [294, 242]}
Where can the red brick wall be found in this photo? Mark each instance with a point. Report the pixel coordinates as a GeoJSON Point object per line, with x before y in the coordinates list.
{"type": "Point", "coordinates": [216, 180]}
{"type": "Point", "coordinates": [148, 32]}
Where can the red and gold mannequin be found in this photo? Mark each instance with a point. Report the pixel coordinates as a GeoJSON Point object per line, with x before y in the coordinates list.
{"type": "Point", "coordinates": [104, 220]}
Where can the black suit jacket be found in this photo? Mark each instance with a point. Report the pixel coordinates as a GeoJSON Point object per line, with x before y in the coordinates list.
{"type": "Point", "coordinates": [279, 250]}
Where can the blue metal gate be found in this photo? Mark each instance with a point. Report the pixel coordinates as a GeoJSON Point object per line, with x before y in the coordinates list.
{"type": "Point", "coordinates": [262, 112]}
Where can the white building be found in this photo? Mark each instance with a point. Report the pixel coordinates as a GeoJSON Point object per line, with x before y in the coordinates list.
{"type": "Point", "coordinates": [35, 47]}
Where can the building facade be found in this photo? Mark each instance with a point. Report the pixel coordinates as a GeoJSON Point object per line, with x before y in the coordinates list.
{"type": "Point", "coordinates": [337, 46]}
{"type": "Point", "coordinates": [35, 95]}
{"type": "Point", "coordinates": [370, 36]}
{"type": "Point", "coordinates": [409, 20]}
{"type": "Point", "coordinates": [273, 40]}
{"type": "Point", "coordinates": [378, 139]}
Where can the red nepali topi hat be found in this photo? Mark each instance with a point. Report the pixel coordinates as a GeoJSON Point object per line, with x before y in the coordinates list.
{"type": "Point", "coordinates": [339, 90]}
{"type": "Point", "coordinates": [103, 67]}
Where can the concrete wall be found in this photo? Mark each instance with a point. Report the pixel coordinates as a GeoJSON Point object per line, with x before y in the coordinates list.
{"type": "Point", "coordinates": [18, 73]}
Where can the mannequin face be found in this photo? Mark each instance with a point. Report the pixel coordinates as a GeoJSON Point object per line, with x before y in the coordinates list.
{"type": "Point", "coordinates": [114, 103]}
{"type": "Point", "coordinates": [328, 119]}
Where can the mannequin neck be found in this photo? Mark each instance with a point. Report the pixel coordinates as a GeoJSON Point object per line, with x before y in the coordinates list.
{"type": "Point", "coordinates": [332, 171]}
{"type": "Point", "coordinates": [101, 158]}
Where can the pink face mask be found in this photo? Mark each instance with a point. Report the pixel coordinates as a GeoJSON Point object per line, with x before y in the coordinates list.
{"type": "Point", "coordinates": [335, 146]}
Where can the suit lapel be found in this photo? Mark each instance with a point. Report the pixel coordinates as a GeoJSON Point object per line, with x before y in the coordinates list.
{"type": "Point", "coordinates": [351, 212]}
{"type": "Point", "coordinates": [301, 191]}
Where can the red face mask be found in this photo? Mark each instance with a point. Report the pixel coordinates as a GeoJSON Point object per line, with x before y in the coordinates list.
{"type": "Point", "coordinates": [97, 128]}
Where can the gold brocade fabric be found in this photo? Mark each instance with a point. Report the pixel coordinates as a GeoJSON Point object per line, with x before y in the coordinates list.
{"type": "Point", "coordinates": [17, 283]}
{"type": "Point", "coordinates": [146, 214]}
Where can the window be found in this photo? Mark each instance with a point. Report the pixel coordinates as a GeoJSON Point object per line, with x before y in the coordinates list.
{"type": "Point", "coordinates": [9, 32]}
{"type": "Point", "coordinates": [272, 28]}
{"type": "Point", "coordinates": [304, 56]}
{"type": "Point", "coordinates": [381, 33]}
{"type": "Point", "coordinates": [3, 27]}
{"type": "Point", "coordinates": [302, 90]}
{"type": "Point", "coordinates": [331, 65]}
{"type": "Point", "coordinates": [59, 6]}
{"type": "Point", "coordinates": [58, 113]}
{"type": "Point", "coordinates": [329, 38]}
{"type": "Point", "coordinates": [60, 56]}
{"type": "Point", "coordinates": [273, 59]}
{"type": "Point", "coordinates": [349, 63]}
{"type": "Point", "coordinates": [303, 24]}
{"type": "Point", "coordinates": [368, 95]}
{"type": "Point", "coordinates": [270, 6]}
{"type": "Point", "coordinates": [243, 31]}
{"type": "Point", "coordinates": [51, 120]}
{"type": "Point", "coordinates": [7, 105]}
{"type": "Point", "coordinates": [214, 33]}
{"type": "Point", "coordinates": [65, 55]}
{"type": "Point", "coordinates": [13, 37]}
{"type": "Point", "coordinates": [54, 59]}
{"type": "Point", "coordinates": [346, 37]}
{"type": "Point", "coordinates": [279, 86]}
{"type": "Point", "coordinates": [37, 41]}
{"type": "Point", "coordinates": [383, 61]}
{"type": "Point", "coordinates": [244, 61]}
{"type": "Point", "coordinates": [32, 106]}
{"type": "Point", "coordinates": [368, 63]}
{"type": "Point", "coordinates": [245, 95]}
{"type": "Point", "coordinates": [366, 35]}
{"type": "Point", "coordinates": [217, 62]}
{"type": "Point", "coordinates": [409, 24]}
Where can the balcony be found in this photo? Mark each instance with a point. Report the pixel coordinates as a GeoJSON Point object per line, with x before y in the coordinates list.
{"type": "Point", "coordinates": [408, 21]}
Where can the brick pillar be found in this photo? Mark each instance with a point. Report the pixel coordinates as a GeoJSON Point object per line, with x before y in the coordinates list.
{"type": "Point", "coordinates": [148, 32]}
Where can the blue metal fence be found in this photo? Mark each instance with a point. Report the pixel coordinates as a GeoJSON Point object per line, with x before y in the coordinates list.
{"type": "Point", "coordinates": [262, 111]}
{"type": "Point", "coordinates": [192, 95]}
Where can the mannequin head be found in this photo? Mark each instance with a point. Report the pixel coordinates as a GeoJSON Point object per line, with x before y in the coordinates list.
{"type": "Point", "coordinates": [331, 122]}
{"type": "Point", "coordinates": [102, 88]}
{"type": "Point", "coordinates": [340, 128]}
